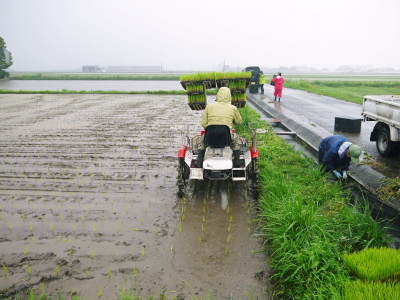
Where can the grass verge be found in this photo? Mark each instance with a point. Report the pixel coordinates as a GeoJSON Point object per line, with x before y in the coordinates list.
{"type": "Point", "coordinates": [306, 221]}
{"type": "Point", "coordinates": [352, 91]}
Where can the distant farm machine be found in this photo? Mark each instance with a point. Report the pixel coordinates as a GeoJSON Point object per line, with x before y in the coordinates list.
{"type": "Point", "coordinates": [254, 83]}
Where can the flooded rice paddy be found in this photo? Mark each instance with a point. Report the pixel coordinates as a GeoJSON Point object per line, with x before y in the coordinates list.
{"type": "Point", "coordinates": [90, 85]}
{"type": "Point", "coordinates": [88, 204]}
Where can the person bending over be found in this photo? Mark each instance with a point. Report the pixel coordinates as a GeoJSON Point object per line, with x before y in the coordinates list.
{"type": "Point", "coordinates": [335, 154]}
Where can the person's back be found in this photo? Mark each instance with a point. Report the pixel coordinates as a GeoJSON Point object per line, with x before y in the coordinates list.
{"type": "Point", "coordinates": [278, 81]}
{"type": "Point", "coordinates": [335, 153]}
{"type": "Point", "coordinates": [222, 112]}
{"type": "Point", "coordinates": [278, 86]}
{"type": "Point", "coordinates": [262, 79]}
{"type": "Point", "coordinates": [328, 150]}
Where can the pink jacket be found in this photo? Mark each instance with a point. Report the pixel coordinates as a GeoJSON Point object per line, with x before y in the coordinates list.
{"type": "Point", "coordinates": [278, 82]}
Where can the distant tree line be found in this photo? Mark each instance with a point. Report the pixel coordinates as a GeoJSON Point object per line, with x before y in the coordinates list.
{"type": "Point", "coordinates": [5, 58]}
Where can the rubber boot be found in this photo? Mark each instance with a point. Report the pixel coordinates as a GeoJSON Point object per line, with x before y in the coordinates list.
{"type": "Point", "coordinates": [275, 98]}
{"type": "Point", "coordinates": [200, 158]}
{"type": "Point", "coordinates": [236, 158]}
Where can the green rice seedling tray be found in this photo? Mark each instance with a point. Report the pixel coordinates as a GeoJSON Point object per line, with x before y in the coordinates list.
{"type": "Point", "coordinates": [233, 75]}
{"type": "Point", "coordinates": [210, 84]}
{"type": "Point", "coordinates": [238, 91]}
{"type": "Point", "coordinates": [238, 84]}
{"type": "Point", "coordinates": [195, 87]}
{"type": "Point", "coordinates": [214, 79]}
{"type": "Point", "coordinates": [374, 263]}
{"type": "Point", "coordinates": [197, 105]}
{"type": "Point", "coordinates": [222, 82]}
{"type": "Point", "coordinates": [195, 93]}
{"type": "Point", "coordinates": [366, 290]}
{"type": "Point", "coordinates": [238, 95]}
{"type": "Point", "coordinates": [184, 84]}
{"type": "Point", "coordinates": [197, 99]}
{"type": "Point", "coordinates": [239, 104]}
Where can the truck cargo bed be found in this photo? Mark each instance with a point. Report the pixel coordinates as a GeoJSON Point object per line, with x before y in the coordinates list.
{"type": "Point", "coordinates": [384, 108]}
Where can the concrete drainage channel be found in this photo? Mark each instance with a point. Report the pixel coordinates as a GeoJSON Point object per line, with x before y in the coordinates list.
{"type": "Point", "coordinates": [305, 136]}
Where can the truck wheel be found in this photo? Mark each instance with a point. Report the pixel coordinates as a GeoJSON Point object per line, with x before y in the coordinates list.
{"type": "Point", "coordinates": [383, 143]}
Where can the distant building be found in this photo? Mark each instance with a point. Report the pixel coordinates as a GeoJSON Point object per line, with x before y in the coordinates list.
{"type": "Point", "coordinates": [91, 69]}
{"type": "Point", "coordinates": [134, 69]}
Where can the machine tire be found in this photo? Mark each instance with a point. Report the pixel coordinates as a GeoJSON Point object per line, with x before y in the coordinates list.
{"type": "Point", "coordinates": [183, 176]}
{"type": "Point", "coordinates": [383, 143]}
{"type": "Point", "coordinates": [255, 185]}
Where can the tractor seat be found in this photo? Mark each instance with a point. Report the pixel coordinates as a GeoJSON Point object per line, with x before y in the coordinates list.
{"type": "Point", "coordinates": [217, 136]}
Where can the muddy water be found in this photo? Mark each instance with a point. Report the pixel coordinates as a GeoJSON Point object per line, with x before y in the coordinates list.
{"type": "Point", "coordinates": [88, 203]}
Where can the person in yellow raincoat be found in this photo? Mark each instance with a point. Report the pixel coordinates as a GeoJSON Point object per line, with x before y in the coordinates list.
{"type": "Point", "coordinates": [262, 82]}
{"type": "Point", "coordinates": [222, 112]}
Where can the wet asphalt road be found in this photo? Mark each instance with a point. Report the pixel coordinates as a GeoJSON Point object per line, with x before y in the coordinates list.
{"type": "Point", "coordinates": [322, 110]}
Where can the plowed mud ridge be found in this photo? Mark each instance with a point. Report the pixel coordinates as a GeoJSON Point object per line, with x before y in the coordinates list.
{"type": "Point", "coordinates": [88, 204]}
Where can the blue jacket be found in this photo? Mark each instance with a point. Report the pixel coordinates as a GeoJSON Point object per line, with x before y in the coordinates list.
{"type": "Point", "coordinates": [328, 153]}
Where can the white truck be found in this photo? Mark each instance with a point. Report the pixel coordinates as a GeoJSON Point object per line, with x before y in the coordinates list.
{"type": "Point", "coordinates": [385, 110]}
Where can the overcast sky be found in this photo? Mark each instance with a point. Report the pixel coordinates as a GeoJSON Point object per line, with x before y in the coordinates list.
{"type": "Point", "coordinates": [201, 34]}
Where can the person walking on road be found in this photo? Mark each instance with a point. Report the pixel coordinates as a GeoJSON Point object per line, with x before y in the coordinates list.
{"type": "Point", "coordinates": [262, 82]}
{"type": "Point", "coordinates": [335, 154]}
{"type": "Point", "coordinates": [278, 85]}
